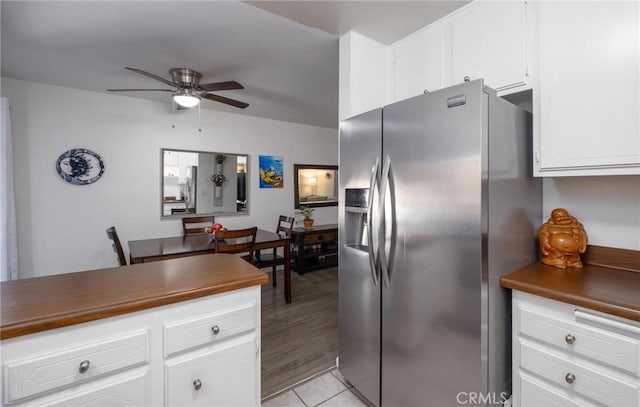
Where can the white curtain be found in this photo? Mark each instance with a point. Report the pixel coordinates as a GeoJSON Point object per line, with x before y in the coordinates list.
{"type": "Point", "coordinates": [8, 236]}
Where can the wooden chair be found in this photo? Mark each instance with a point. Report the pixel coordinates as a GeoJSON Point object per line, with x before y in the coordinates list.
{"type": "Point", "coordinates": [196, 224]}
{"type": "Point", "coordinates": [237, 241]}
{"type": "Point", "coordinates": [264, 259]}
{"type": "Point", "coordinates": [117, 246]}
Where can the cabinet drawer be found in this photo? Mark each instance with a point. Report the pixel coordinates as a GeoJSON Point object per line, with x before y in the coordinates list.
{"type": "Point", "coordinates": [320, 237]}
{"type": "Point", "coordinates": [225, 377]}
{"type": "Point", "coordinates": [130, 390]}
{"type": "Point", "coordinates": [534, 393]}
{"type": "Point", "coordinates": [608, 347]}
{"type": "Point", "coordinates": [214, 327]}
{"type": "Point", "coordinates": [599, 386]}
{"type": "Point", "coordinates": [65, 366]}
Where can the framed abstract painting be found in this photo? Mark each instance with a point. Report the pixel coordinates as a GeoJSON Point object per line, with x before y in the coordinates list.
{"type": "Point", "coordinates": [271, 173]}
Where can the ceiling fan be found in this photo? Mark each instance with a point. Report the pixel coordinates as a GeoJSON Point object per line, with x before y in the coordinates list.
{"type": "Point", "coordinates": [187, 89]}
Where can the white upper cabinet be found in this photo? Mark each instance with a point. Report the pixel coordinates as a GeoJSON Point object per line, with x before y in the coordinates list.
{"type": "Point", "coordinates": [419, 63]}
{"type": "Point", "coordinates": [488, 41]}
{"type": "Point", "coordinates": [485, 39]}
{"type": "Point", "coordinates": [587, 108]}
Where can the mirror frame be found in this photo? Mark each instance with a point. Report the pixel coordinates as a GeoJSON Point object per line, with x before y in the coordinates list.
{"type": "Point", "coordinates": [296, 189]}
{"type": "Point", "coordinates": [182, 215]}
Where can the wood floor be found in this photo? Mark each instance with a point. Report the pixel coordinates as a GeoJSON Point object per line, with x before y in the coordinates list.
{"type": "Point", "coordinates": [299, 339]}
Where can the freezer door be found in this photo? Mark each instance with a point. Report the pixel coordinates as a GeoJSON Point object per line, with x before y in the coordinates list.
{"type": "Point", "coordinates": [359, 291]}
{"type": "Point", "coordinates": [431, 299]}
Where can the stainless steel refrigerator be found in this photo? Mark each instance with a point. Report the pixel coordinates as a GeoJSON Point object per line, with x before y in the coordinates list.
{"type": "Point", "coordinates": [437, 202]}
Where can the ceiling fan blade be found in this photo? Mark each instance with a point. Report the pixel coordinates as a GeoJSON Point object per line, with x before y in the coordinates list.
{"type": "Point", "coordinates": [141, 90]}
{"type": "Point", "coordinates": [221, 86]}
{"type": "Point", "coordinates": [224, 100]}
{"type": "Point", "coordinates": [152, 76]}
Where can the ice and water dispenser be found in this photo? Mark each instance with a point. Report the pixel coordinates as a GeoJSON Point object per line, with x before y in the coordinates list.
{"type": "Point", "coordinates": [355, 218]}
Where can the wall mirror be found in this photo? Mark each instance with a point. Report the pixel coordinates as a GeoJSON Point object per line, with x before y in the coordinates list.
{"type": "Point", "coordinates": [203, 183]}
{"type": "Point", "coordinates": [315, 185]}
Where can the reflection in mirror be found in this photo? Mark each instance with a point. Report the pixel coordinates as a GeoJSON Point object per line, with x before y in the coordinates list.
{"type": "Point", "coordinates": [315, 185]}
{"type": "Point", "coordinates": [203, 183]}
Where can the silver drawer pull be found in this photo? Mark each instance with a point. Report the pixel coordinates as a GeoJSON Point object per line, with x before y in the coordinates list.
{"type": "Point", "coordinates": [197, 384]}
{"type": "Point", "coordinates": [215, 329]}
{"type": "Point", "coordinates": [570, 339]}
{"type": "Point", "coordinates": [570, 378]}
{"type": "Point", "coordinates": [84, 366]}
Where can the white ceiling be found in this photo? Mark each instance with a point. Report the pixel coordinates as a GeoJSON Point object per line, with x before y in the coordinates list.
{"type": "Point", "coordinates": [288, 66]}
{"type": "Point", "coordinates": [385, 21]}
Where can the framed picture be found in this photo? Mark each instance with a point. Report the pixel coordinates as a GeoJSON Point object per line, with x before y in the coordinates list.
{"type": "Point", "coordinates": [315, 185]}
{"type": "Point", "coordinates": [271, 173]}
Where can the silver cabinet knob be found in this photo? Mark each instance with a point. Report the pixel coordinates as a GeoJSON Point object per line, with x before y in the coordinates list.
{"type": "Point", "coordinates": [84, 366]}
{"type": "Point", "coordinates": [215, 329]}
{"type": "Point", "coordinates": [466, 79]}
{"type": "Point", "coordinates": [197, 384]}
{"type": "Point", "coordinates": [570, 339]}
{"type": "Point", "coordinates": [570, 378]}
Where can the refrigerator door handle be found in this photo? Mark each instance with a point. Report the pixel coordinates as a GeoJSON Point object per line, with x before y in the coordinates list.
{"type": "Point", "coordinates": [386, 264]}
{"type": "Point", "coordinates": [373, 258]}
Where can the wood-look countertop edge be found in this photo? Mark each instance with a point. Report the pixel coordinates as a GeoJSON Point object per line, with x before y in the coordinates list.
{"type": "Point", "coordinates": [68, 319]}
{"type": "Point", "coordinates": [597, 305]}
{"type": "Point", "coordinates": [88, 295]}
{"type": "Point", "coordinates": [607, 289]}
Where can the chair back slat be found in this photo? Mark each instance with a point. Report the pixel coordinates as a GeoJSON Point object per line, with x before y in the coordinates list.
{"type": "Point", "coordinates": [196, 224]}
{"type": "Point", "coordinates": [285, 224]}
{"type": "Point", "coordinates": [237, 241]}
{"type": "Point", "coordinates": [117, 246]}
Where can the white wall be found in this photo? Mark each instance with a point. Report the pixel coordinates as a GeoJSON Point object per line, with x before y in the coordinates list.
{"type": "Point", "coordinates": [607, 206]}
{"type": "Point", "coordinates": [61, 227]}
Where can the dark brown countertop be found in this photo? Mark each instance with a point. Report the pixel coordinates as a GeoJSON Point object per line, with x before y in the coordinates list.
{"type": "Point", "coordinates": [37, 304]}
{"type": "Point", "coordinates": [600, 288]}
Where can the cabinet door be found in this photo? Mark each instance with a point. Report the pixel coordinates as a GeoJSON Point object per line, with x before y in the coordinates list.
{"type": "Point", "coordinates": [418, 63]}
{"type": "Point", "coordinates": [222, 377]}
{"type": "Point", "coordinates": [488, 41]}
{"type": "Point", "coordinates": [589, 102]}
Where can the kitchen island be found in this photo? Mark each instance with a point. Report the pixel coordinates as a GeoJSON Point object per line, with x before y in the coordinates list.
{"type": "Point", "coordinates": [176, 332]}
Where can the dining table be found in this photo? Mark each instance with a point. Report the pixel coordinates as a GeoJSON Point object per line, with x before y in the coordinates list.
{"type": "Point", "coordinates": [164, 248]}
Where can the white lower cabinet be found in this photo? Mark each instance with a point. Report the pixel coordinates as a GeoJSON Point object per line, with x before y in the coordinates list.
{"type": "Point", "coordinates": [222, 377]}
{"type": "Point", "coordinates": [62, 366]}
{"type": "Point", "coordinates": [537, 393]}
{"type": "Point", "coordinates": [568, 356]}
{"type": "Point", "coordinates": [127, 391]}
{"type": "Point", "coordinates": [202, 352]}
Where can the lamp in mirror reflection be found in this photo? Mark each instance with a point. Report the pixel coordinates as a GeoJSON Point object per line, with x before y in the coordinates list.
{"type": "Point", "coordinates": [311, 181]}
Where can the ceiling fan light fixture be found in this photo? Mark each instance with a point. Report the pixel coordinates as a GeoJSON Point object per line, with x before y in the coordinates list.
{"type": "Point", "coordinates": [186, 99]}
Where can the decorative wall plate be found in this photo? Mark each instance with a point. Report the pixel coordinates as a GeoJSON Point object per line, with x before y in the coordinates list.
{"type": "Point", "coordinates": [80, 166]}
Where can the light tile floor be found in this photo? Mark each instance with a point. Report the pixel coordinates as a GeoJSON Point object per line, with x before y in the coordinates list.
{"type": "Point", "coordinates": [325, 390]}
